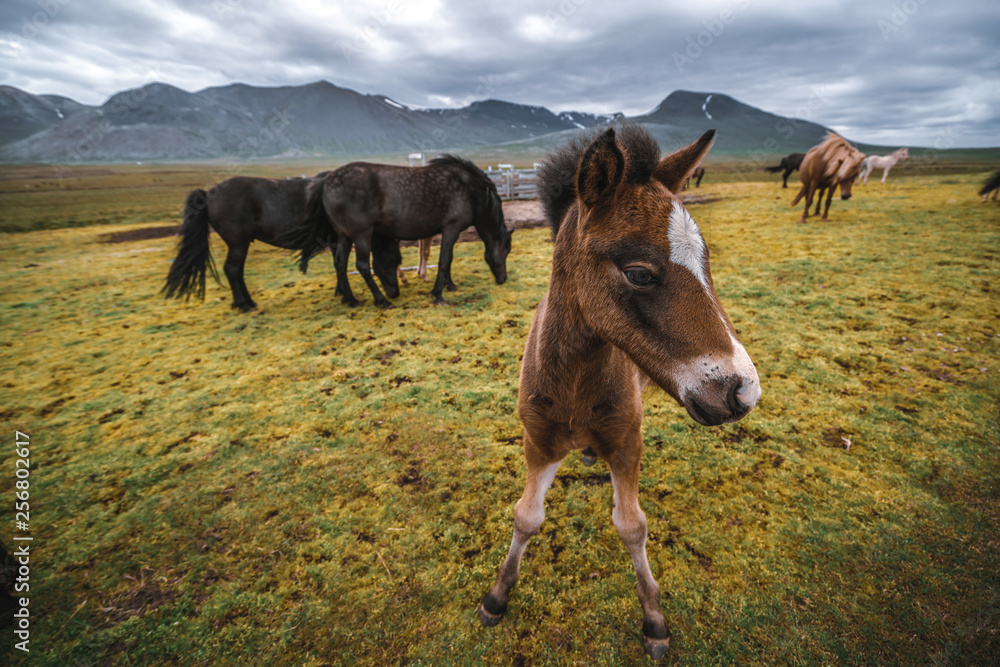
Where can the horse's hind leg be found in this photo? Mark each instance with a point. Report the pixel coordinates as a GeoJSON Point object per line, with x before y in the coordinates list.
{"type": "Point", "coordinates": [362, 250]}
{"type": "Point", "coordinates": [788, 172]}
{"type": "Point", "coordinates": [425, 254]}
{"type": "Point", "coordinates": [885, 172]}
{"type": "Point", "coordinates": [528, 516]}
{"type": "Point", "coordinates": [233, 268]}
{"type": "Point", "coordinates": [340, 262]}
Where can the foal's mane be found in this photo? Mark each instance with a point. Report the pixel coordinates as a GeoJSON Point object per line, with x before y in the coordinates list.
{"type": "Point", "coordinates": [557, 175]}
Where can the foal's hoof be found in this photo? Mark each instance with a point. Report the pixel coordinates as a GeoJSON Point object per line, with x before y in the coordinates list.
{"type": "Point", "coordinates": [656, 648]}
{"type": "Point", "coordinates": [493, 615]}
{"type": "Point", "coordinates": [589, 456]}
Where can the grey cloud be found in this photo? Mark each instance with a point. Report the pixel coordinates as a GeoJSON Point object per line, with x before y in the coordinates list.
{"type": "Point", "coordinates": [893, 72]}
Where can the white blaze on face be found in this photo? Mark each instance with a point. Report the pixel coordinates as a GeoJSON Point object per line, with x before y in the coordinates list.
{"type": "Point", "coordinates": [687, 247]}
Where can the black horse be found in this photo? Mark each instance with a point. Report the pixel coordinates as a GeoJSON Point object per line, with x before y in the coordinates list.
{"type": "Point", "coordinates": [244, 209]}
{"type": "Point", "coordinates": [789, 163]}
{"type": "Point", "coordinates": [445, 197]}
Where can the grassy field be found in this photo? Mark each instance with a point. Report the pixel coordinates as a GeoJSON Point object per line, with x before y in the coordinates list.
{"type": "Point", "coordinates": [317, 485]}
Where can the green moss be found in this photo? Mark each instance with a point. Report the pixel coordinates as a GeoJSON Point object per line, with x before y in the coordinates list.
{"type": "Point", "coordinates": [312, 484]}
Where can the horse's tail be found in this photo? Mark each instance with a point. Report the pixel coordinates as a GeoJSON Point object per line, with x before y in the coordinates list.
{"type": "Point", "coordinates": [802, 193]}
{"type": "Point", "coordinates": [774, 170]}
{"type": "Point", "coordinates": [313, 234]}
{"type": "Point", "coordinates": [194, 258]}
{"type": "Point", "coordinates": [991, 184]}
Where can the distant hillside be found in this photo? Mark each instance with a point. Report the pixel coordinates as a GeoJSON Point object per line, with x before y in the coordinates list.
{"type": "Point", "coordinates": [160, 122]}
{"type": "Point", "coordinates": [684, 115]}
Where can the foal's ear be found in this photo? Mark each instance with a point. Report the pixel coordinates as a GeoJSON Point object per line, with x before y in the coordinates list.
{"type": "Point", "coordinates": [674, 169]}
{"type": "Point", "coordinates": [601, 170]}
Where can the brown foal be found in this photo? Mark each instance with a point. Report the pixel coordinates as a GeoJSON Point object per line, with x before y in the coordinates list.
{"type": "Point", "coordinates": [630, 299]}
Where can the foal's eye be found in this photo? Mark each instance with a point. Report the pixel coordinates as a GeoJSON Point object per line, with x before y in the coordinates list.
{"type": "Point", "coordinates": [639, 277]}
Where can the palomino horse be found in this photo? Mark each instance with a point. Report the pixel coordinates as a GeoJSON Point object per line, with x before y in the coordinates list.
{"type": "Point", "coordinates": [411, 203]}
{"type": "Point", "coordinates": [789, 163]}
{"type": "Point", "coordinates": [630, 299]}
{"type": "Point", "coordinates": [834, 162]}
{"type": "Point", "coordinates": [992, 184]}
{"type": "Point", "coordinates": [886, 163]}
{"type": "Point", "coordinates": [244, 209]}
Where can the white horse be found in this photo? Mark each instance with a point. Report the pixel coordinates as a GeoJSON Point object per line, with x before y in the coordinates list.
{"type": "Point", "coordinates": [878, 162]}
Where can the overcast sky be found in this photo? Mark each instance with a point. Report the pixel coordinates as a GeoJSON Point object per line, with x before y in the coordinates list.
{"type": "Point", "coordinates": [894, 72]}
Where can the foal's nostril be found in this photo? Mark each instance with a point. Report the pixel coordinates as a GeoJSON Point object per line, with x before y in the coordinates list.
{"type": "Point", "coordinates": [733, 401]}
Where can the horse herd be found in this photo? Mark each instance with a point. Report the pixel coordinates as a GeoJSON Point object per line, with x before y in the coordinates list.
{"type": "Point", "coordinates": [371, 207]}
{"type": "Point", "coordinates": [630, 297]}
{"type": "Point", "coordinates": [833, 163]}
{"type": "Point", "coordinates": [368, 206]}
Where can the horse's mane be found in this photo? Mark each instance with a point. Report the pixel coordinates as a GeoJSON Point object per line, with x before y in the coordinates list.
{"type": "Point", "coordinates": [991, 184]}
{"type": "Point", "coordinates": [839, 157]}
{"type": "Point", "coordinates": [493, 204]}
{"type": "Point", "coordinates": [557, 175]}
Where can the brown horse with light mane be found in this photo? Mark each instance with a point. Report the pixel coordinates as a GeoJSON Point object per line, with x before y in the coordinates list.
{"type": "Point", "coordinates": [630, 300]}
{"type": "Point", "coordinates": [834, 162]}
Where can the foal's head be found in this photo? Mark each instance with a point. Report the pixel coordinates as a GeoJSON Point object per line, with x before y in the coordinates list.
{"type": "Point", "coordinates": [640, 270]}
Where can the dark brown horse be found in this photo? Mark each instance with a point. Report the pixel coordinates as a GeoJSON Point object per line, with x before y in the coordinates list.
{"type": "Point", "coordinates": [630, 299]}
{"type": "Point", "coordinates": [244, 209]}
{"type": "Point", "coordinates": [697, 174]}
{"type": "Point", "coordinates": [825, 167]}
{"type": "Point", "coordinates": [412, 203]}
{"type": "Point", "coordinates": [789, 163]}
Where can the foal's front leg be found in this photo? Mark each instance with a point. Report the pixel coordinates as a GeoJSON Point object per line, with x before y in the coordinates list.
{"type": "Point", "coordinates": [630, 522]}
{"type": "Point", "coordinates": [528, 516]}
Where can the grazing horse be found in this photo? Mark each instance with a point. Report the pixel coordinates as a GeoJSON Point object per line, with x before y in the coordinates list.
{"type": "Point", "coordinates": [630, 299]}
{"type": "Point", "coordinates": [992, 184]}
{"type": "Point", "coordinates": [878, 162]}
{"type": "Point", "coordinates": [244, 209]}
{"type": "Point", "coordinates": [789, 163]}
{"type": "Point", "coordinates": [834, 162]}
{"type": "Point", "coordinates": [411, 203]}
{"type": "Point", "coordinates": [697, 174]}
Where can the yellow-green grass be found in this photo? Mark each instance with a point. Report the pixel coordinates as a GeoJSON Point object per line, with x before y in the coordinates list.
{"type": "Point", "coordinates": [313, 484]}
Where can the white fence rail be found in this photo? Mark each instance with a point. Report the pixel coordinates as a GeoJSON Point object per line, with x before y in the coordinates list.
{"type": "Point", "coordinates": [515, 183]}
{"type": "Point", "coordinates": [511, 183]}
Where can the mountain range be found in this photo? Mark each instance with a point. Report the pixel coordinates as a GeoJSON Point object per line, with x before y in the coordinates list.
{"type": "Point", "coordinates": [160, 122]}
